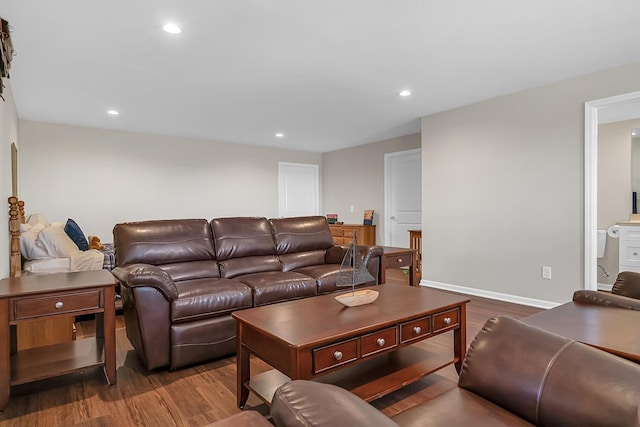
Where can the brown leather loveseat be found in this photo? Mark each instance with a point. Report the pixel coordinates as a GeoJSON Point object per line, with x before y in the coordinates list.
{"type": "Point", "coordinates": [513, 375]}
{"type": "Point", "coordinates": [181, 279]}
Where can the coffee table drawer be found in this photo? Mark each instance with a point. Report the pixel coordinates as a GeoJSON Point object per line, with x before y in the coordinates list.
{"type": "Point", "coordinates": [415, 329]}
{"type": "Point", "coordinates": [379, 341]}
{"type": "Point", "coordinates": [335, 355]}
{"type": "Point", "coordinates": [445, 320]}
{"type": "Point", "coordinates": [26, 308]}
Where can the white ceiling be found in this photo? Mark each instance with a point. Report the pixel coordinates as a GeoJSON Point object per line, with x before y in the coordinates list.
{"type": "Point", "coordinates": [324, 73]}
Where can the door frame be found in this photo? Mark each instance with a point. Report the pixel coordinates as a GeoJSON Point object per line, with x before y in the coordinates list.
{"type": "Point", "coordinates": [591, 181]}
{"type": "Point", "coordinates": [387, 189]}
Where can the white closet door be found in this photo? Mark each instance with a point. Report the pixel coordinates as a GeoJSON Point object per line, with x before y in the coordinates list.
{"type": "Point", "coordinates": [298, 189]}
{"type": "Point", "coordinates": [403, 196]}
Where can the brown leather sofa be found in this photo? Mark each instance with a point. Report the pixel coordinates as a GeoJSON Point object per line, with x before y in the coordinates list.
{"type": "Point", "coordinates": [624, 294]}
{"type": "Point", "coordinates": [181, 279]}
{"type": "Point", "coordinates": [513, 375]}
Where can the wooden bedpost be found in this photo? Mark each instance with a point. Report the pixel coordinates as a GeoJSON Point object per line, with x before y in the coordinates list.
{"type": "Point", "coordinates": [16, 217]}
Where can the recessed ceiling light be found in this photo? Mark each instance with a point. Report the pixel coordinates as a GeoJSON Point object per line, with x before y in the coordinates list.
{"type": "Point", "coordinates": [172, 28]}
{"type": "Point", "coordinates": [113, 112]}
{"type": "Point", "coordinates": [279, 135]}
{"type": "Point", "coordinates": [404, 93]}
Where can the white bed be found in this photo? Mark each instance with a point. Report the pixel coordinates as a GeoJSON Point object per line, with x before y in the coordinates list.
{"type": "Point", "coordinates": [49, 248]}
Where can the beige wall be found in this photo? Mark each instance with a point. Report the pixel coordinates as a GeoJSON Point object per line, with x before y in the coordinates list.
{"type": "Point", "coordinates": [614, 187]}
{"type": "Point", "coordinates": [502, 189]}
{"type": "Point", "coordinates": [8, 135]}
{"type": "Point", "coordinates": [102, 177]}
{"type": "Point", "coordinates": [355, 176]}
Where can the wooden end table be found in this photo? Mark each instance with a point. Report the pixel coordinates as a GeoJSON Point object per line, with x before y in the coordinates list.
{"type": "Point", "coordinates": [35, 297]}
{"type": "Point", "coordinates": [398, 258]}
{"type": "Point", "coordinates": [366, 349]}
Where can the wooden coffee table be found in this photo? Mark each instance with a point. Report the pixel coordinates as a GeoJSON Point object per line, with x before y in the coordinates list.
{"type": "Point", "coordinates": [367, 349]}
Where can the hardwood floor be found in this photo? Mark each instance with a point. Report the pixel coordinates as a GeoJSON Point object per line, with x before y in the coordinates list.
{"type": "Point", "coordinates": [197, 395]}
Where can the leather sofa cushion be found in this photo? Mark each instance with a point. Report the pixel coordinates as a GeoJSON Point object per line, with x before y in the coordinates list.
{"type": "Point", "coordinates": [276, 286]}
{"type": "Point", "coordinates": [242, 237]}
{"type": "Point", "coordinates": [203, 298]}
{"type": "Point", "coordinates": [458, 407]}
{"type": "Point", "coordinates": [302, 259]}
{"type": "Point", "coordinates": [192, 270]}
{"type": "Point", "coordinates": [301, 234]}
{"type": "Point", "coordinates": [163, 242]}
{"type": "Point", "coordinates": [231, 268]}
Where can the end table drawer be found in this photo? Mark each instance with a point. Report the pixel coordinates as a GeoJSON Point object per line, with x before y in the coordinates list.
{"type": "Point", "coordinates": [31, 307]}
{"type": "Point", "coordinates": [379, 341]}
{"type": "Point", "coordinates": [445, 320]}
{"type": "Point", "coordinates": [334, 355]}
{"type": "Point", "coordinates": [415, 329]}
{"type": "Point", "coordinates": [399, 261]}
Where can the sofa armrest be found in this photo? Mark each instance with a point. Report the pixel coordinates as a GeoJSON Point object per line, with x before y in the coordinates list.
{"type": "Point", "coordinates": [136, 275]}
{"type": "Point", "coordinates": [627, 284]}
{"type": "Point", "coordinates": [335, 254]}
{"type": "Point", "coordinates": [302, 403]}
{"type": "Point", "coordinates": [603, 298]}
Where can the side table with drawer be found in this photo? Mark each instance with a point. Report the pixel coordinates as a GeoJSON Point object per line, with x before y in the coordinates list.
{"type": "Point", "coordinates": [36, 297]}
{"type": "Point", "coordinates": [398, 258]}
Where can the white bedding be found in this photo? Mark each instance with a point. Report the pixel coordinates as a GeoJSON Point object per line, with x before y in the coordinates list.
{"type": "Point", "coordinates": [79, 261]}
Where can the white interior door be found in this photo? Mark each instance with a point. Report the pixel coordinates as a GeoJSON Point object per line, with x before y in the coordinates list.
{"type": "Point", "coordinates": [298, 193]}
{"type": "Point", "coordinates": [403, 196]}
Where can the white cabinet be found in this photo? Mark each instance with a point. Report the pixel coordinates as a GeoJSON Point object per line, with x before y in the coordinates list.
{"type": "Point", "coordinates": [629, 255]}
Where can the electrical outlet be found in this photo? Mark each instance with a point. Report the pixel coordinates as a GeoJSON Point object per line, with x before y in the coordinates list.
{"type": "Point", "coordinates": [351, 209]}
{"type": "Point", "coordinates": [546, 272]}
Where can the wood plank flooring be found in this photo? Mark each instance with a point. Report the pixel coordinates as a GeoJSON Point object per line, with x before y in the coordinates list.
{"type": "Point", "coordinates": [197, 395]}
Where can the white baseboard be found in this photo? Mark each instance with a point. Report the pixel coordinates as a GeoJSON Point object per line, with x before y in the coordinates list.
{"type": "Point", "coordinates": [604, 287]}
{"type": "Point", "coordinates": [490, 294]}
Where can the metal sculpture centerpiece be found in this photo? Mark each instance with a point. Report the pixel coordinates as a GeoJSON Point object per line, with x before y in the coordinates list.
{"type": "Point", "coordinates": [354, 272]}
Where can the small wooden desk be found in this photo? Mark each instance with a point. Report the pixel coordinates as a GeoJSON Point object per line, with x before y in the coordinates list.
{"type": "Point", "coordinates": [34, 297]}
{"type": "Point", "coordinates": [612, 329]}
{"type": "Point", "coordinates": [397, 258]}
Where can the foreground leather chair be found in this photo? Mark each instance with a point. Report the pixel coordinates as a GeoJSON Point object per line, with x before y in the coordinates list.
{"type": "Point", "coordinates": [513, 375]}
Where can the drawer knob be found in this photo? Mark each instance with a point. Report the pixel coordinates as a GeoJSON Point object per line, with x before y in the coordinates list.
{"type": "Point", "coordinates": [447, 320]}
{"type": "Point", "coordinates": [337, 355]}
{"type": "Point", "coordinates": [59, 304]}
{"type": "Point", "coordinates": [635, 254]}
{"type": "Point", "coordinates": [399, 259]}
{"type": "Point", "coordinates": [417, 329]}
{"type": "Point", "coordinates": [380, 341]}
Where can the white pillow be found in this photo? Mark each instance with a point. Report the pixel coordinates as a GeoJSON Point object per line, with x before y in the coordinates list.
{"type": "Point", "coordinates": [56, 242]}
{"type": "Point", "coordinates": [37, 219]}
{"type": "Point", "coordinates": [29, 246]}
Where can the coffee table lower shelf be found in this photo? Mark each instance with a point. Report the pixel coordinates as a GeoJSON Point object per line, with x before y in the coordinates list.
{"type": "Point", "coordinates": [368, 380]}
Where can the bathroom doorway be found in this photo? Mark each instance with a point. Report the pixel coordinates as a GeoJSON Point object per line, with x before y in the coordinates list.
{"type": "Point", "coordinates": [621, 104]}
